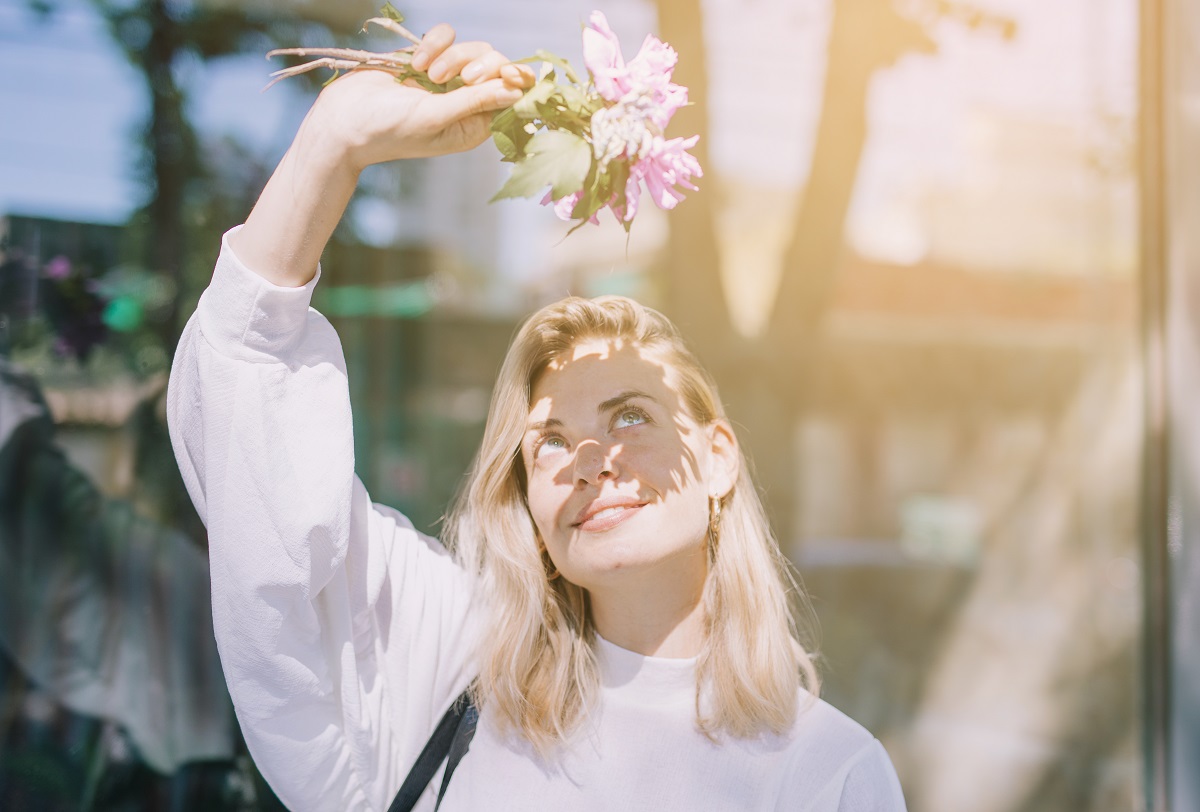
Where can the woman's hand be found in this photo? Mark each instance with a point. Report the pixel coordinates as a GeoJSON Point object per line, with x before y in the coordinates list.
{"type": "Point", "coordinates": [370, 118]}
{"type": "Point", "coordinates": [364, 118]}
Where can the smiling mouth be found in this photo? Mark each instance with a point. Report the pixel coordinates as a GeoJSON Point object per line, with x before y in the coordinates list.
{"type": "Point", "coordinates": [604, 514]}
{"type": "Point", "coordinates": [608, 518]}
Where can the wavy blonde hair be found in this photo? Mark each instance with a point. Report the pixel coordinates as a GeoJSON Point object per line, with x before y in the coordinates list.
{"type": "Point", "coordinates": [538, 671]}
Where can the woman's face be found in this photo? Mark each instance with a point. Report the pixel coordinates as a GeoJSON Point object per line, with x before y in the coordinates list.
{"type": "Point", "coordinates": [619, 474]}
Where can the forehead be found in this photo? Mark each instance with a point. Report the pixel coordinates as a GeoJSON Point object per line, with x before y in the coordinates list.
{"type": "Point", "coordinates": [596, 369]}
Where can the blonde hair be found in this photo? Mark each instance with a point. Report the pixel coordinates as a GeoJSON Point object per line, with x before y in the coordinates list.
{"type": "Point", "coordinates": [538, 671]}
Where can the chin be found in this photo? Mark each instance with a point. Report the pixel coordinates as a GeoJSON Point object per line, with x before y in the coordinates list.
{"type": "Point", "coordinates": [622, 560]}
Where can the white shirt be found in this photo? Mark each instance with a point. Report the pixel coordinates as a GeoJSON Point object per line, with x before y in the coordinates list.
{"type": "Point", "coordinates": [344, 633]}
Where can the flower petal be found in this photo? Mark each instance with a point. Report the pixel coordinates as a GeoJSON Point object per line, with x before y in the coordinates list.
{"type": "Point", "coordinates": [602, 56]}
{"type": "Point", "coordinates": [666, 166]}
{"type": "Point", "coordinates": [654, 63]}
{"type": "Point", "coordinates": [633, 192]}
{"type": "Point", "coordinates": [671, 98]}
{"type": "Point", "coordinates": [566, 205]}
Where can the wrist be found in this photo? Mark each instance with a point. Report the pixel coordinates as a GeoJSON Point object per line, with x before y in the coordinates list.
{"type": "Point", "coordinates": [324, 155]}
{"type": "Point", "coordinates": [299, 208]}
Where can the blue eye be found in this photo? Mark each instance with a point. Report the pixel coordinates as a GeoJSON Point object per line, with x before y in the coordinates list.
{"type": "Point", "coordinates": [549, 445]}
{"type": "Point", "coordinates": [631, 417]}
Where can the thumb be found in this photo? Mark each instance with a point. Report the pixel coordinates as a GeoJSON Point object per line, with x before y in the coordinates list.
{"type": "Point", "coordinates": [471, 100]}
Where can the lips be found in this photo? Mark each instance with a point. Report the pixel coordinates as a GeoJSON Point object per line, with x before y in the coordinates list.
{"type": "Point", "coordinates": [607, 512]}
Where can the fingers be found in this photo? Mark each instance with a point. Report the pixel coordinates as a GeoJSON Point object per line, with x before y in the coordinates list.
{"type": "Point", "coordinates": [439, 38]}
{"type": "Point", "coordinates": [484, 67]}
{"type": "Point", "coordinates": [475, 61]}
{"type": "Point", "coordinates": [470, 100]}
{"type": "Point", "coordinates": [487, 65]}
{"type": "Point", "coordinates": [521, 76]}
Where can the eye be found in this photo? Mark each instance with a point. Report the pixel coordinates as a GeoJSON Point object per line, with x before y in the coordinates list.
{"type": "Point", "coordinates": [550, 444]}
{"type": "Point", "coordinates": [630, 416]}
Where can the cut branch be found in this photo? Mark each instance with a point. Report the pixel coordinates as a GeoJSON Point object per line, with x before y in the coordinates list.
{"type": "Point", "coordinates": [401, 57]}
{"type": "Point", "coordinates": [394, 27]}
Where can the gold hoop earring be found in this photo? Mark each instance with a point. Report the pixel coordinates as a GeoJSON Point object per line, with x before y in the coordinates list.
{"type": "Point", "coordinates": [714, 527]}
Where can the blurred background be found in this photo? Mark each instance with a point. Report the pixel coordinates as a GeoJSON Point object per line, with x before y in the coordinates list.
{"type": "Point", "coordinates": [943, 266]}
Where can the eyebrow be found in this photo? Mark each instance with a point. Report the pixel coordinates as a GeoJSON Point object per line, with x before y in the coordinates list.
{"type": "Point", "coordinates": [542, 425]}
{"type": "Point", "coordinates": [621, 400]}
{"type": "Point", "coordinates": [606, 406]}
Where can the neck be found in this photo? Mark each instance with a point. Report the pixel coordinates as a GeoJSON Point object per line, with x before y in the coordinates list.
{"type": "Point", "coordinates": [653, 616]}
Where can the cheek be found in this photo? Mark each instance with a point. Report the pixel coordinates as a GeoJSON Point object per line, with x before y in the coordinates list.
{"type": "Point", "coordinates": [546, 499]}
{"type": "Point", "coordinates": [682, 465]}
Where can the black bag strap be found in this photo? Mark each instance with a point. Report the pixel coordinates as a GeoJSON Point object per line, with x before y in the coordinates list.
{"type": "Point", "coordinates": [463, 733]}
{"type": "Point", "coordinates": [450, 739]}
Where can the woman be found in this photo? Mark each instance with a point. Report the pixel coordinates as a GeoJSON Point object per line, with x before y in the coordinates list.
{"type": "Point", "coordinates": [615, 597]}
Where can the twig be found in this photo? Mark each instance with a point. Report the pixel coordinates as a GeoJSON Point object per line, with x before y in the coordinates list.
{"type": "Point", "coordinates": [402, 57]}
{"type": "Point", "coordinates": [394, 27]}
{"type": "Point", "coordinates": [399, 71]}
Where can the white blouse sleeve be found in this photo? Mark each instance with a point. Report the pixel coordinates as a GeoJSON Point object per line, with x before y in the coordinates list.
{"type": "Point", "coordinates": [343, 632]}
{"type": "Point", "coordinates": [866, 782]}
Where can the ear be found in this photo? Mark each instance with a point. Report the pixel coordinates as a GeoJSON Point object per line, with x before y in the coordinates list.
{"type": "Point", "coordinates": [724, 460]}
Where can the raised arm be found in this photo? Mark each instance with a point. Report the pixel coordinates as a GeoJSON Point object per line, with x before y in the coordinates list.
{"type": "Point", "coordinates": [366, 118]}
{"type": "Point", "coordinates": [343, 632]}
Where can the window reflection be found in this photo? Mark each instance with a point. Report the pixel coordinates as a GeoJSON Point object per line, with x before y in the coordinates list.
{"type": "Point", "coordinates": [914, 270]}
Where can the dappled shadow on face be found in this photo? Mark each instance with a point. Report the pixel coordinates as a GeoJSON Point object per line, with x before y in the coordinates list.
{"type": "Point", "coordinates": [607, 418]}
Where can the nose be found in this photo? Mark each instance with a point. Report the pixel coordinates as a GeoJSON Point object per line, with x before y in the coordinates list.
{"type": "Point", "coordinates": [594, 463]}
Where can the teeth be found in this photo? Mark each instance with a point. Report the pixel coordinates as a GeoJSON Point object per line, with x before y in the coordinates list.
{"type": "Point", "coordinates": [604, 514]}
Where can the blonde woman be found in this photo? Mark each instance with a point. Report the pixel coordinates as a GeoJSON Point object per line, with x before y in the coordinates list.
{"type": "Point", "coordinates": [615, 605]}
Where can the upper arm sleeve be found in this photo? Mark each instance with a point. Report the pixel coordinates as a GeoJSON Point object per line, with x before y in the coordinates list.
{"type": "Point", "coordinates": [343, 632]}
{"type": "Point", "coordinates": [866, 782]}
{"type": "Point", "coordinates": [871, 784]}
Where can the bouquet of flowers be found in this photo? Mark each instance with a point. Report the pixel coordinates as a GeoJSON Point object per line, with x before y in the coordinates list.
{"type": "Point", "coordinates": [594, 143]}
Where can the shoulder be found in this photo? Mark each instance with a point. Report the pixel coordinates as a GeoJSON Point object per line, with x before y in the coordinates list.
{"type": "Point", "coordinates": [838, 763]}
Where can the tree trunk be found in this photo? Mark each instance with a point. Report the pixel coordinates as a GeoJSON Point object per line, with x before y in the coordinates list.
{"type": "Point", "coordinates": [694, 296]}
{"type": "Point", "coordinates": [170, 151]}
{"type": "Point", "coordinates": [766, 384]}
{"type": "Point", "coordinates": [865, 36]}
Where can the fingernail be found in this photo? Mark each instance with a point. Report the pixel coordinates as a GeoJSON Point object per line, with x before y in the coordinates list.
{"type": "Point", "coordinates": [420, 60]}
{"type": "Point", "coordinates": [471, 72]}
{"type": "Point", "coordinates": [436, 70]}
{"type": "Point", "coordinates": [510, 95]}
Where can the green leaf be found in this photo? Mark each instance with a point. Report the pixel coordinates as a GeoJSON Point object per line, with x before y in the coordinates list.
{"type": "Point", "coordinates": [618, 176]}
{"type": "Point", "coordinates": [580, 103]}
{"type": "Point", "coordinates": [590, 201]}
{"type": "Point", "coordinates": [527, 105]}
{"type": "Point", "coordinates": [505, 120]}
{"type": "Point", "coordinates": [559, 117]}
{"type": "Point", "coordinates": [511, 134]}
{"type": "Point", "coordinates": [601, 186]}
{"type": "Point", "coordinates": [553, 59]}
{"type": "Point", "coordinates": [422, 79]}
{"type": "Point", "coordinates": [554, 158]}
{"type": "Point", "coordinates": [508, 148]}
{"type": "Point", "coordinates": [391, 12]}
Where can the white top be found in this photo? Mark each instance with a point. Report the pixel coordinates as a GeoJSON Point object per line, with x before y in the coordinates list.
{"type": "Point", "coordinates": [345, 634]}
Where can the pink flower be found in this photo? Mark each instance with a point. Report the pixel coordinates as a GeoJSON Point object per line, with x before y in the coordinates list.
{"type": "Point", "coordinates": [665, 166]}
{"type": "Point", "coordinates": [641, 99]}
{"type": "Point", "coordinates": [602, 56]}
{"type": "Point", "coordinates": [644, 83]}
{"type": "Point", "coordinates": [673, 97]}
{"type": "Point", "coordinates": [58, 268]}
{"type": "Point", "coordinates": [565, 205]}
